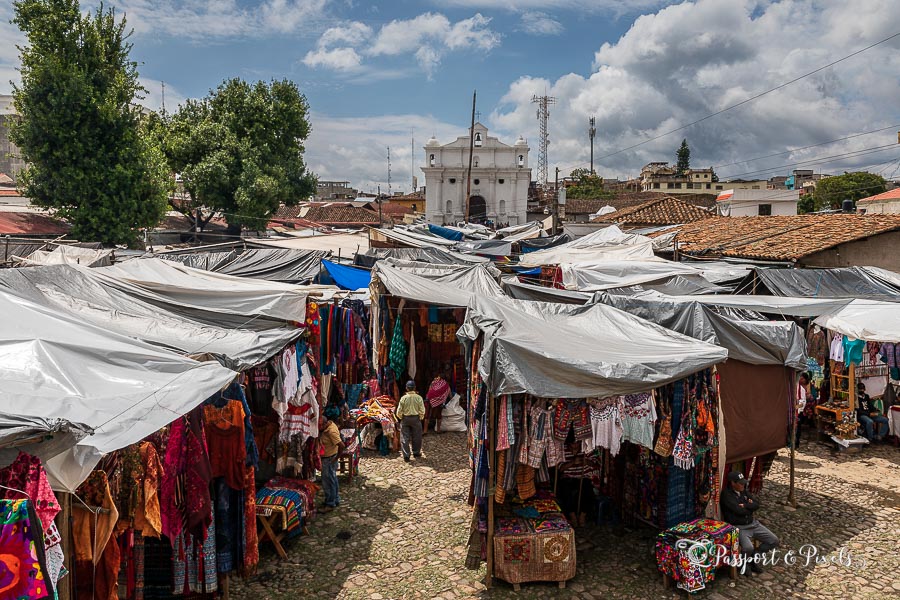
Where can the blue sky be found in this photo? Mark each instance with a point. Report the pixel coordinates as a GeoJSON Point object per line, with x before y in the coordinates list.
{"type": "Point", "coordinates": [376, 73]}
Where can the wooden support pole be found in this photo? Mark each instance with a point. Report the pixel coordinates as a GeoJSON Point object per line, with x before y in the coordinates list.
{"type": "Point", "coordinates": [65, 588]}
{"type": "Point", "coordinates": [795, 403]}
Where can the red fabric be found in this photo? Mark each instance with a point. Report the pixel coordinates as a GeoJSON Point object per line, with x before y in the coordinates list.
{"type": "Point", "coordinates": [184, 493]}
{"type": "Point", "coordinates": [26, 473]}
{"type": "Point", "coordinates": [225, 439]}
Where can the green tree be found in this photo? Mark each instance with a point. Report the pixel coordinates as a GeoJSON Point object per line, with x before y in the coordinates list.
{"type": "Point", "coordinates": [684, 158]}
{"type": "Point", "coordinates": [240, 151]}
{"type": "Point", "coordinates": [831, 192]}
{"type": "Point", "coordinates": [588, 185]}
{"type": "Point", "coordinates": [78, 127]}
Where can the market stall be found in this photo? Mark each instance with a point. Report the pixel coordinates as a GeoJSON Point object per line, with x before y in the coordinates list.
{"type": "Point", "coordinates": [625, 404]}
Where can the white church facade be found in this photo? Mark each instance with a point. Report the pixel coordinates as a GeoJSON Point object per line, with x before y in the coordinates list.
{"type": "Point", "coordinates": [500, 180]}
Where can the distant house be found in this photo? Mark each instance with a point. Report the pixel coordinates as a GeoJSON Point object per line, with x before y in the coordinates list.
{"type": "Point", "coordinates": [757, 203]}
{"type": "Point", "coordinates": [332, 214]}
{"type": "Point", "coordinates": [828, 240]}
{"type": "Point", "coordinates": [662, 177]}
{"type": "Point", "coordinates": [31, 224]}
{"type": "Point", "coordinates": [887, 203]}
{"type": "Point", "coordinates": [334, 190]}
{"type": "Point", "coordinates": [656, 213]}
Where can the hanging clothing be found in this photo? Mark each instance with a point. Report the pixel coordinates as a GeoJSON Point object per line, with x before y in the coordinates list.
{"type": "Point", "coordinates": [411, 357]}
{"type": "Point", "coordinates": [398, 348]}
{"type": "Point", "coordinates": [438, 392]}
{"type": "Point", "coordinates": [837, 348]}
{"type": "Point", "coordinates": [638, 419]}
{"type": "Point", "coordinates": [571, 414]}
{"type": "Point", "coordinates": [147, 519]}
{"type": "Point", "coordinates": [96, 549]}
{"type": "Point", "coordinates": [606, 425]}
{"type": "Point", "coordinates": [23, 569]}
{"type": "Point", "coordinates": [185, 502]}
{"type": "Point", "coordinates": [817, 344]}
{"type": "Point", "coordinates": [225, 441]}
{"type": "Point", "coordinates": [683, 452]}
{"type": "Point", "coordinates": [853, 350]}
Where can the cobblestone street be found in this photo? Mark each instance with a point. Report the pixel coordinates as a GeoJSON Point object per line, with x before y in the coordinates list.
{"type": "Point", "coordinates": [401, 532]}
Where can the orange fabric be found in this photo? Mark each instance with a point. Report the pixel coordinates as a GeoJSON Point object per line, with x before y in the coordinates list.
{"type": "Point", "coordinates": [147, 518]}
{"type": "Point", "coordinates": [96, 551]}
{"type": "Point", "coordinates": [225, 442]}
{"type": "Point", "coordinates": [499, 492]}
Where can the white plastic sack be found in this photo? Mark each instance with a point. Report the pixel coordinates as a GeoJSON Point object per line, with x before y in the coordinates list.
{"type": "Point", "coordinates": [453, 417]}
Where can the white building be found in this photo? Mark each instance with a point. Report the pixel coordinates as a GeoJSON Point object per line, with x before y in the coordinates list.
{"type": "Point", "coordinates": [753, 203]}
{"type": "Point", "coordinates": [500, 180]}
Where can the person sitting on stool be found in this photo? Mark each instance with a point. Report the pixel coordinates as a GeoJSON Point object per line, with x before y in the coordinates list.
{"type": "Point", "coordinates": [410, 412]}
{"type": "Point", "coordinates": [869, 416]}
{"type": "Point", "coordinates": [738, 507]}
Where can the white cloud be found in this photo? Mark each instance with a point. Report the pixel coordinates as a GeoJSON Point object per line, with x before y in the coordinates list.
{"type": "Point", "coordinates": [690, 60]}
{"type": "Point", "coordinates": [355, 149]}
{"type": "Point", "coordinates": [539, 23]}
{"type": "Point", "coordinates": [219, 19]}
{"type": "Point", "coordinates": [338, 59]}
{"type": "Point", "coordinates": [590, 6]}
{"type": "Point", "coordinates": [427, 37]}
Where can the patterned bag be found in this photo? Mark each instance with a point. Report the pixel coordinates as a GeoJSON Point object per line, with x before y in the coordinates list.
{"type": "Point", "coordinates": [664, 443]}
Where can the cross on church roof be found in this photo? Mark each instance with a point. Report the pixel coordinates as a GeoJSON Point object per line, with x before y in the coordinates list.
{"type": "Point", "coordinates": [477, 115]}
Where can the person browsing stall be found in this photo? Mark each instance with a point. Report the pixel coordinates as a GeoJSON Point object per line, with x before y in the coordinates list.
{"type": "Point", "coordinates": [738, 507]}
{"type": "Point", "coordinates": [869, 415]}
{"type": "Point", "coordinates": [332, 444]}
{"type": "Point", "coordinates": [410, 412]}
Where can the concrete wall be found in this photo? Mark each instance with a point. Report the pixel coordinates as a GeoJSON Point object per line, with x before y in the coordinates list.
{"type": "Point", "coordinates": [876, 251]}
{"type": "Point", "coordinates": [880, 207]}
{"type": "Point", "coordinates": [10, 163]}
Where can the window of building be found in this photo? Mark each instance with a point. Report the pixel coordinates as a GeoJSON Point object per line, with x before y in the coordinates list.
{"type": "Point", "coordinates": [431, 160]}
{"type": "Point", "coordinates": [503, 207]}
{"type": "Point", "coordinates": [678, 186]}
{"type": "Point", "coordinates": [690, 185]}
{"type": "Point", "coordinates": [706, 176]}
{"type": "Point", "coordinates": [449, 207]}
{"type": "Point", "coordinates": [453, 180]}
{"type": "Point", "coordinates": [477, 139]}
{"type": "Point", "coordinates": [755, 187]}
{"type": "Point", "coordinates": [521, 160]}
{"type": "Point", "coordinates": [500, 181]}
{"type": "Point", "coordinates": [670, 185]}
{"type": "Point", "coordinates": [656, 185]}
{"type": "Point", "coordinates": [765, 210]}
{"type": "Point", "coordinates": [476, 181]}
{"type": "Point", "coordinates": [474, 161]}
{"type": "Point", "coordinates": [718, 187]}
{"type": "Point", "coordinates": [707, 185]}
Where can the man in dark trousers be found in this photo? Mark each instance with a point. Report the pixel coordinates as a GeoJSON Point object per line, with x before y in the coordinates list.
{"type": "Point", "coordinates": [738, 507]}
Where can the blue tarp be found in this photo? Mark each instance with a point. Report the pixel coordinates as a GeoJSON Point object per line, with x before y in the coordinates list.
{"type": "Point", "coordinates": [526, 271]}
{"type": "Point", "coordinates": [348, 278]}
{"type": "Point", "coordinates": [450, 234]}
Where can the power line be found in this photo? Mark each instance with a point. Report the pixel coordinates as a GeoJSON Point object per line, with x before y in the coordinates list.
{"type": "Point", "coordinates": [821, 159]}
{"type": "Point", "coordinates": [752, 98]}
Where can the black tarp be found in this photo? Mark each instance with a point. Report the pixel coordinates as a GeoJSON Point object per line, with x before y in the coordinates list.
{"type": "Point", "coordinates": [847, 282]}
{"type": "Point", "coordinates": [435, 256]}
{"type": "Point", "coordinates": [541, 243]}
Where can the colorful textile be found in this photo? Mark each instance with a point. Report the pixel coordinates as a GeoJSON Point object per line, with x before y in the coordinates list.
{"type": "Point", "coordinates": [550, 522]}
{"type": "Point", "coordinates": [690, 552]}
{"type": "Point", "coordinates": [194, 563]}
{"type": "Point", "coordinates": [683, 452]}
{"type": "Point", "coordinates": [545, 505]}
{"type": "Point", "coordinates": [226, 441]}
{"type": "Point", "coordinates": [546, 556]}
{"type": "Point", "coordinates": [398, 350]}
{"type": "Point", "coordinates": [289, 501]}
{"type": "Point", "coordinates": [516, 551]}
{"type": "Point", "coordinates": [22, 574]}
{"type": "Point", "coordinates": [26, 473]}
{"type": "Point", "coordinates": [438, 392]}
{"type": "Point", "coordinates": [511, 525]}
{"type": "Point", "coordinates": [571, 414]}
{"type": "Point", "coordinates": [184, 493]}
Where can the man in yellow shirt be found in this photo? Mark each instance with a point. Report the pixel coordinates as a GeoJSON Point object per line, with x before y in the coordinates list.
{"type": "Point", "coordinates": [332, 444]}
{"type": "Point", "coordinates": [410, 412]}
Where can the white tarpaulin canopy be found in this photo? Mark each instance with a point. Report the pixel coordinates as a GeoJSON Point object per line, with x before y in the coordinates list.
{"type": "Point", "coordinates": [339, 244]}
{"type": "Point", "coordinates": [445, 285]}
{"type": "Point", "coordinates": [609, 274]}
{"type": "Point", "coordinates": [85, 295]}
{"type": "Point", "coordinates": [868, 320]}
{"type": "Point", "coordinates": [565, 351]}
{"type": "Point", "coordinates": [609, 243]}
{"type": "Point", "coordinates": [68, 255]}
{"type": "Point", "coordinates": [167, 282]}
{"type": "Point", "coordinates": [54, 366]}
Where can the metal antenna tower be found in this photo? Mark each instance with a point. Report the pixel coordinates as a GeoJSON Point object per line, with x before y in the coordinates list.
{"type": "Point", "coordinates": [412, 160]}
{"type": "Point", "coordinates": [163, 98]}
{"type": "Point", "coordinates": [543, 115]}
{"type": "Point", "coordinates": [592, 131]}
{"type": "Point", "coordinates": [389, 172]}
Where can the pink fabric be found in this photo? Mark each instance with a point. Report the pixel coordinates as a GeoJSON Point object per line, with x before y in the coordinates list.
{"type": "Point", "coordinates": [438, 392]}
{"type": "Point", "coordinates": [26, 473]}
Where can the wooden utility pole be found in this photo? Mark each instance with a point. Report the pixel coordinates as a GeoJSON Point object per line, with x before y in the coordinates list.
{"type": "Point", "coordinates": [471, 151]}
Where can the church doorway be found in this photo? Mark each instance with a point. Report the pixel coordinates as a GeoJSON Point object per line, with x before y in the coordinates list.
{"type": "Point", "coordinates": [477, 209]}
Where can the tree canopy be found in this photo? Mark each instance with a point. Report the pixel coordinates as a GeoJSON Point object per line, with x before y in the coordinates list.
{"type": "Point", "coordinates": [240, 150]}
{"type": "Point", "coordinates": [831, 192]}
{"type": "Point", "coordinates": [588, 185]}
{"type": "Point", "coordinates": [78, 128]}
{"type": "Point", "coordinates": [684, 158]}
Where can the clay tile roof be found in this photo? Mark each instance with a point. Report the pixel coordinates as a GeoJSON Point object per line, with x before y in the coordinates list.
{"type": "Point", "coordinates": [5, 179]}
{"type": "Point", "coordinates": [893, 194]}
{"type": "Point", "coordinates": [31, 223]}
{"type": "Point", "coordinates": [663, 211]}
{"type": "Point", "coordinates": [779, 237]}
{"type": "Point", "coordinates": [331, 213]}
